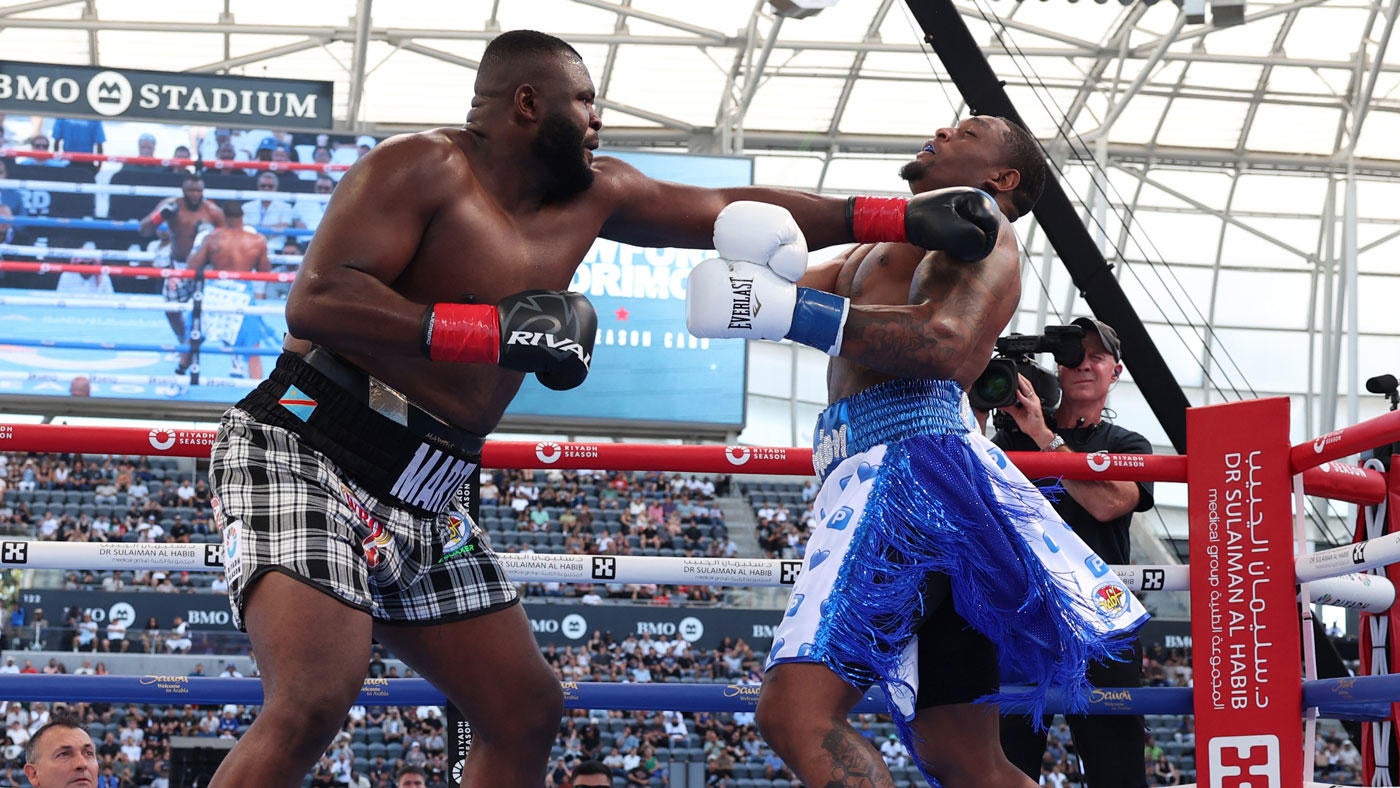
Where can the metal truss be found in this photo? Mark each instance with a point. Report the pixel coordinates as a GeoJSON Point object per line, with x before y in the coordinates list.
{"type": "Point", "coordinates": [1097, 75]}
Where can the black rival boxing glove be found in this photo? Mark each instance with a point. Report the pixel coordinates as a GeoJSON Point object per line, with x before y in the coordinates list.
{"type": "Point", "coordinates": [547, 332]}
{"type": "Point", "coordinates": [960, 220]}
{"type": "Point", "coordinates": [165, 213]}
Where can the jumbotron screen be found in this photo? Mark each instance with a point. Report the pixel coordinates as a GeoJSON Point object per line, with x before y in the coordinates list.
{"type": "Point", "coordinates": [67, 346]}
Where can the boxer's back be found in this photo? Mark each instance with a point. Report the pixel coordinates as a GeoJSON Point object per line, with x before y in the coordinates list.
{"type": "Point", "coordinates": [235, 250]}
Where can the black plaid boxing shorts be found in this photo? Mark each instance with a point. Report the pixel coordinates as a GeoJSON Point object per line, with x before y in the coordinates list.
{"type": "Point", "coordinates": [327, 475]}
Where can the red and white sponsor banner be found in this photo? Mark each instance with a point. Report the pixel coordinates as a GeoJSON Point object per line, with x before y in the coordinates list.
{"type": "Point", "coordinates": [158, 273]}
{"type": "Point", "coordinates": [1244, 619]}
{"type": "Point", "coordinates": [1339, 443]}
{"type": "Point", "coordinates": [1333, 480]}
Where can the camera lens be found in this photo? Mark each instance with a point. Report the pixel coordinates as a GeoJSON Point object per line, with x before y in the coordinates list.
{"type": "Point", "coordinates": [996, 387]}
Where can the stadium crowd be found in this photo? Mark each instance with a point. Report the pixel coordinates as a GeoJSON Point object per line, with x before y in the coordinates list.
{"type": "Point", "coordinates": [135, 499]}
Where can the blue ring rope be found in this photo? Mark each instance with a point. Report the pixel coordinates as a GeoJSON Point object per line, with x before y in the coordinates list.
{"type": "Point", "coordinates": [1362, 697]}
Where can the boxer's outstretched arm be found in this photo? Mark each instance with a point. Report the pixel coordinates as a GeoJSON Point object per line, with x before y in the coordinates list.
{"type": "Point", "coordinates": [650, 212]}
{"type": "Point", "coordinates": [371, 230]}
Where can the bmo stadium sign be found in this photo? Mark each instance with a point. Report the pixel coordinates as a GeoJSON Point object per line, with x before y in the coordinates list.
{"type": "Point", "coordinates": [132, 94]}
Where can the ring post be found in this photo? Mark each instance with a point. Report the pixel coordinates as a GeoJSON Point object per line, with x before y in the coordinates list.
{"type": "Point", "coordinates": [1378, 651]}
{"type": "Point", "coordinates": [1243, 610]}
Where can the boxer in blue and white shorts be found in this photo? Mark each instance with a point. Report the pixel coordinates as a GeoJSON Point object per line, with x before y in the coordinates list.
{"type": "Point", "coordinates": [931, 557]}
{"type": "Point", "coordinates": [930, 545]}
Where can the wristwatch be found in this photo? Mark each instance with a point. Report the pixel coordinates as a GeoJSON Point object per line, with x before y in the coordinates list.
{"type": "Point", "coordinates": [1055, 443]}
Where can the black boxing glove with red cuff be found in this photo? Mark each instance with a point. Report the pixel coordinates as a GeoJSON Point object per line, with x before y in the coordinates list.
{"type": "Point", "coordinates": [165, 213]}
{"type": "Point", "coordinates": [960, 220]}
{"type": "Point", "coordinates": [547, 332]}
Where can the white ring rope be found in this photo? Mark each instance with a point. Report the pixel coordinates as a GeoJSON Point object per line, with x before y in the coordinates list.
{"type": "Point", "coordinates": [106, 378]}
{"type": "Point", "coordinates": [1359, 557]}
{"type": "Point", "coordinates": [158, 192]}
{"type": "Point", "coordinates": [1363, 592]}
{"type": "Point", "coordinates": [137, 303]}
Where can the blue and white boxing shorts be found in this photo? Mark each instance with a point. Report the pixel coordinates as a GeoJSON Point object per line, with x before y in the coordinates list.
{"type": "Point", "coordinates": [910, 491]}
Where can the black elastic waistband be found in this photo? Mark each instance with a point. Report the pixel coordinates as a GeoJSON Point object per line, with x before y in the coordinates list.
{"type": "Point", "coordinates": [393, 448]}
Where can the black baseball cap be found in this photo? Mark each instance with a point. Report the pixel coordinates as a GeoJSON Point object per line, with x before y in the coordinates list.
{"type": "Point", "coordinates": [1107, 335]}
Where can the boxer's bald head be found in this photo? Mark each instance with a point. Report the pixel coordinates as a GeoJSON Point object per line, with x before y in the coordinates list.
{"type": "Point", "coordinates": [520, 57]}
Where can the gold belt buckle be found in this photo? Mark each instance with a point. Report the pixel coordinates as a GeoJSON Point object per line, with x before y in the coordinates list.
{"type": "Point", "coordinates": [386, 401]}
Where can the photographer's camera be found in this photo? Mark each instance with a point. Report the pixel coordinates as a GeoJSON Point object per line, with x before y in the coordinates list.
{"type": "Point", "coordinates": [996, 387]}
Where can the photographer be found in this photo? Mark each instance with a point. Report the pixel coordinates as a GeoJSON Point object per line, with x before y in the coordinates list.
{"type": "Point", "coordinates": [1100, 512]}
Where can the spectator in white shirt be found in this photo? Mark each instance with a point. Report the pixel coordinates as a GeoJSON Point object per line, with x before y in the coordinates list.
{"type": "Point", "coordinates": [185, 492]}
{"type": "Point", "coordinates": [320, 154]}
{"type": "Point", "coordinates": [310, 210]}
{"type": "Point", "coordinates": [894, 752]}
{"type": "Point", "coordinates": [86, 637]}
{"type": "Point", "coordinates": [178, 642]}
{"type": "Point", "coordinates": [269, 215]}
{"type": "Point", "coordinates": [17, 733]}
{"type": "Point", "coordinates": [74, 283]}
{"type": "Point", "coordinates": [116, 635]}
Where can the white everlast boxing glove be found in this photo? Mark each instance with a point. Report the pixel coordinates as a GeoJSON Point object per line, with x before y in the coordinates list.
{"type": "Point", "coordinates": [762, 233]}
{"type": "Point", "coordinates": [726, 299]}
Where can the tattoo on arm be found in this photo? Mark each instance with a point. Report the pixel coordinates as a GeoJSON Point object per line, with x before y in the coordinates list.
{"type": "Point", "coordinates": [854, 761]}
{"type": "Point", "coordinates": [920, 340]}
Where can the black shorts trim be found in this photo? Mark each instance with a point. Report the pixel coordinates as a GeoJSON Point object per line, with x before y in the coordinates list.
{"type": "Point", "coordinates": [410, 456]}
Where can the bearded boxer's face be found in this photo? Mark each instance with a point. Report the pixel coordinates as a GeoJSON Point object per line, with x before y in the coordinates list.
{"type": "Point", "coordinates": [560, 148]}
{"type": "Point", "coordinates": [194, 193]}
{"type": "Point", "coordinates": [962, 155]}
{"type": "Point", "coordinates": [913, 170]}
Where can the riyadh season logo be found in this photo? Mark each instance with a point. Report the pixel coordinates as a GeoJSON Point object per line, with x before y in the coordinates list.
{"type": "Point", "coordinates": [161, 440]}
{"type": "Point", "coordinates": [1101, 461]}
{"type": "Point", "coordinates": [1343, 469]}
{"type": "Point", "coordinates": [738, 455]}
{"type": "Point", "coordinates": [548, 451]}
{"type": "Point", "coordinates": [109, 93]}
{"type": "Point", "coordinates": [1326, 440]}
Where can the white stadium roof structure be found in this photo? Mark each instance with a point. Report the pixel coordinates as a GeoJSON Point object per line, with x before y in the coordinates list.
{"type": "Point", "coordinates": [1235, 163]}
